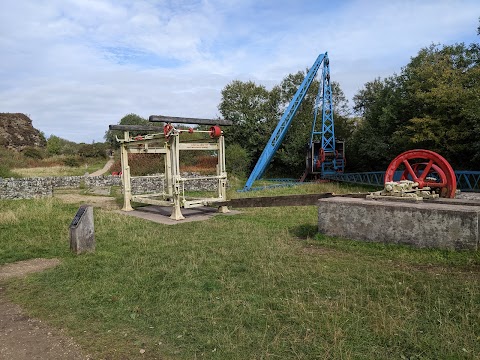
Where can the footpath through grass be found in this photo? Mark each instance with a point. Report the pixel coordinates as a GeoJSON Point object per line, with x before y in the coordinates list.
{"type": "Point", "coordinates": [257, 285]}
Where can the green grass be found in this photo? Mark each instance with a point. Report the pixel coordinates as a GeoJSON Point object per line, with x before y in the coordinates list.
{"type": "Point", "coordinates": [62, 170]}
{"type": "Point", "coordinates": [257, 285]}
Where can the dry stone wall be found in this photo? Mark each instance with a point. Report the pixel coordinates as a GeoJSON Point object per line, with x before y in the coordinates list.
{"type": "Point", "coordinates": [28, 188]}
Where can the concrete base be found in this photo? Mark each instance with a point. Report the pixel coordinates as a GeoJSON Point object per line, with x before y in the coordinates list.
{"type": "Point", "coordinates": [425, 225]}
{"type": "Point", "coordinates": [161, 214]}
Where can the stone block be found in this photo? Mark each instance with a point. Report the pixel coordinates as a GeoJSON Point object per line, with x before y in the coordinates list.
{"type": "Point", "coordinates": [82, 232]}
{"type": "Point", "coordinates": [421, 224]}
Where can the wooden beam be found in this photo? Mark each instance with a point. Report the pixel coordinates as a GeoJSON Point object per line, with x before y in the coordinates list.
{"type": "Point", "coordinates": [270, 201]}
{"type": "Point", "coordinates": [158, 129]}
{"type": "Point", "coordinates": [178, 120]}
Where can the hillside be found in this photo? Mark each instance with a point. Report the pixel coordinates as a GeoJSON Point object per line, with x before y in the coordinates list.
{"type": "Point", "coordinates": [17, 132]}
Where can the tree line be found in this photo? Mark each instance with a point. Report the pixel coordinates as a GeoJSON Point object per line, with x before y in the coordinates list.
{"type": "Point", "coordinates": [433, 103]}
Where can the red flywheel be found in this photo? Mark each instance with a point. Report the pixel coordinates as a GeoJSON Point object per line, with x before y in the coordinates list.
{"type": "Point", "coordinates": [427, 168]}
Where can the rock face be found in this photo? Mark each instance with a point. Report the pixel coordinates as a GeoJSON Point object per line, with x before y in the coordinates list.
{"type": "Point", "coordinates": [17, 132]}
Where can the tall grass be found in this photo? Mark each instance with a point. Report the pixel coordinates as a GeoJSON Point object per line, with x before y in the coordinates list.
{"type": "Point", "coordinates": [261, 284]}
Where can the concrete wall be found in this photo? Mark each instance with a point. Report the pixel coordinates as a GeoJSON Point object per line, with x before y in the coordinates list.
{"type": "Point", "coordinates": [28, 188]}
{"type": "Point", "coordinates": [419, 224]}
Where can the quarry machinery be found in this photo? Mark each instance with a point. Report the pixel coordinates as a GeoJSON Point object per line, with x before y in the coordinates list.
{"type": "Point", "coordinates": [326, 154]}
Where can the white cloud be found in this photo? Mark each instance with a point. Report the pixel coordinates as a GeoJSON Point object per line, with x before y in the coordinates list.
{"type": "Point", "coordinates": [76, 66]}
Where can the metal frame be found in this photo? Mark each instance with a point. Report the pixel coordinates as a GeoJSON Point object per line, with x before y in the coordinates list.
{"type": "Point", "coordinates": [173, 192]}
{"type": "Point", "coordinates": [283, 125]}
{"type": "Point", "coordinates": [468, 181]}
{"type": "Point", "coordinates": [325, 150]}
{"type": "Point", "coordinates": [323, 157]}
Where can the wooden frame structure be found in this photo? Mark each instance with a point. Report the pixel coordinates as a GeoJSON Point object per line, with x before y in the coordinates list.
{"type": "Point", "coordinates": [173, 192]}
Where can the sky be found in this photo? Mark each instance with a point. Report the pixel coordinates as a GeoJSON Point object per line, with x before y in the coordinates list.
{"type": "Point", "coordinates": [76, 66]}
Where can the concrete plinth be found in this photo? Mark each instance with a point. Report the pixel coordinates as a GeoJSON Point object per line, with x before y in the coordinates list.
{"type": "Point", "coordinates": [425, 225]}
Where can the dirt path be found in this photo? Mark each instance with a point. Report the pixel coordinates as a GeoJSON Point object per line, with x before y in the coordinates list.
{"type": "Point", "coordinates": [107, 166]}
{"type": "Point", "coordinates": [25, 338]}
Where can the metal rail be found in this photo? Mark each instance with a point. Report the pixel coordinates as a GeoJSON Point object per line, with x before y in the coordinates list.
{"type": "Point", "coordinates": [466, 180]}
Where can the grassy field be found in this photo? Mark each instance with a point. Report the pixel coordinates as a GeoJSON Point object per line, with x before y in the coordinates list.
{"type": "Point", "coordinates": [259, 285]}
{"type": "Point", "coordinates": [59, 170]}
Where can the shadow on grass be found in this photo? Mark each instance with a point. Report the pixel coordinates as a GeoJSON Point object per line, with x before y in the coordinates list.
{"type": "Point", "coordinates": [305, 231]}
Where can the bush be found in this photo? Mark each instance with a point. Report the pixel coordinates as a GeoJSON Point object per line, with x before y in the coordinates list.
{"type": "Point", "coordinates": [5, 172]}
{"type": "Point", "coordinates": [96, 150]}
{"type": "Point", "coordinates": [237, 160]}
{"type": "Point", "coordinates": [72, 162]}
{"type": "Point", "coordinates": [33, 153]}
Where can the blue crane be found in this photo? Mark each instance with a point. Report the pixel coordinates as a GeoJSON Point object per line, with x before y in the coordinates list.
{"type": "Point", "coordinates": [322, 156]}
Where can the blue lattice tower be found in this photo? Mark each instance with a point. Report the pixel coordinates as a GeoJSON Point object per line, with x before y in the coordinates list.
{"type": "Point", "coordinates": [324, 158]}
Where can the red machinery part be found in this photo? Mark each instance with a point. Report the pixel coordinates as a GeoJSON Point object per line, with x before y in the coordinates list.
{"type": "Point", "coordinates": [167, 129]}
{"type": "Point", "coordinates": [215, 131]}
{"type": "Point", "coordinates": [427, 168]}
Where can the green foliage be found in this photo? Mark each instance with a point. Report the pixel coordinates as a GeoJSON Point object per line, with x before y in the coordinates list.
{"type": "Point", "coordinates": [252, 110]}
{"type": "Point", "coordinates": [255, 112]}
{"type": "Point", "coordinates": [130, 119]}
{"type": "Point", "coordinates": [237, 160]}
{"type": "Point", "coordinates": [5, 172]}
{"type": "Point", "coordinates": [95, 150]}
{"type": "Point", "coordinates": [432, 104]}
{"type": "Point", "coordinates": [58, 146]}
{"type": "Point", "coordinates": [71, 161]}
{"type": "Point", "coordinates": [10, 159]}
{"type": "Point", "coordinates": [33, 153]}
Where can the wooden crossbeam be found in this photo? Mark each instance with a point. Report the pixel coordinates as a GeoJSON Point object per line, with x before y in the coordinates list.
{"type": "Point", "coordinates": [271, 201]}
{"type": "Point", "coordinates": [136, 128]}
{"type": "Point", "coordinates": [183, 120]}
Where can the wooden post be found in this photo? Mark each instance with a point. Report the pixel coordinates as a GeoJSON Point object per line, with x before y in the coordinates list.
{"type": "Point", "coordinates": [127, 188]}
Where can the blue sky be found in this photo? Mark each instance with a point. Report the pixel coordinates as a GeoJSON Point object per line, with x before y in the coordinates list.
{"type": "Point", "coordinates": [76, 66]}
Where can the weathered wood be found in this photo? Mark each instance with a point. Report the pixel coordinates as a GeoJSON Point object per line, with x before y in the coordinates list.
{"type": "Point", "coordinates": [173, 119]}
{"type": "Point", "coordinates": [136, 128]}
{"type": "Point", "coordinates": [271, 201]}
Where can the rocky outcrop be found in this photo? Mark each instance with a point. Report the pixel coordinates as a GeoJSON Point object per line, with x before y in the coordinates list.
{"type": "Point", "coordinates": [17, 132]}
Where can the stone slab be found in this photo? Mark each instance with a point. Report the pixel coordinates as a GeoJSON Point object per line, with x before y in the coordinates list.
{"type": "Point", "coordinates": [82, 231]}
{"type": "Point", "coordinates": [161, 214]}
{"type": "Point", "coordinates": [424, 225]}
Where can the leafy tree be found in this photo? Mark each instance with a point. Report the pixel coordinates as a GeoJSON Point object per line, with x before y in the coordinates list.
{"type": "Point", "coordinates": [54, 146]}
{"type": "Point", "coordinates": [371, 145]}
{"type": "Point", "coordinates": [256, 111]}
{"type": "Point", "coordinates": [130, 119]}
{"type": "Point", "coordinates": [442, 88]}
{"type": "Point", "coordinates": [95, 150]}
{"type": "Point", "coordinates": [252, 109]}
{"type": "Point", "coordinates": [432, 104]}
{"type": "Point", "coordinates": [58, 146]}
{"type": "Point", "coordinates": [237, 160]}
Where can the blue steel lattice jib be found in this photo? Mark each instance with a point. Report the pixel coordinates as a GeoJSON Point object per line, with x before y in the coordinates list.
{"type": "Point", "coordinates": [282, 127]}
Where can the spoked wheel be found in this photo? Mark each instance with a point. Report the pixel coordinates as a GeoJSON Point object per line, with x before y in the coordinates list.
{"type": "Point", "coordinates": [427, 168]}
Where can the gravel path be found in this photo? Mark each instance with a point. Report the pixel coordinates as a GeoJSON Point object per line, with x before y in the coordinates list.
{"type": "Point", "coordinates": [107, 167]}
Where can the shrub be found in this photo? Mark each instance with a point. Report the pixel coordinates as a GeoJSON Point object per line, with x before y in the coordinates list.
{"type": "Point", "coordinates": [5, 172]}
{"type": "Point", "coordinates": [71, 161]}
{"type": "Point", "coordinates": [237, 160]}
{"type": "Point", "coordinates": [33, 153]}
{"type": "Point", "coordinates": [98, 150]}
